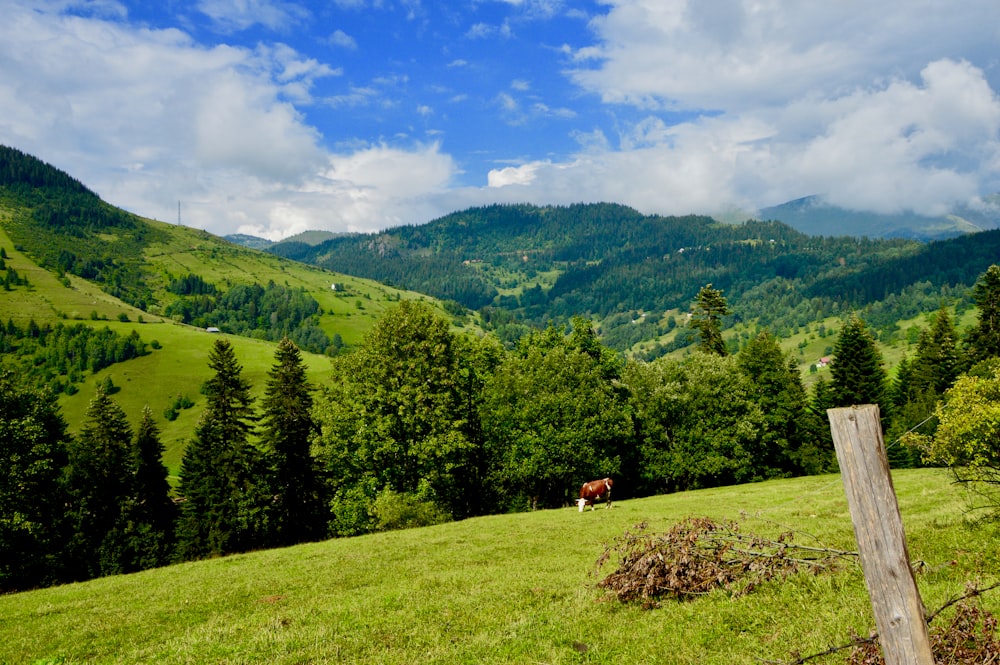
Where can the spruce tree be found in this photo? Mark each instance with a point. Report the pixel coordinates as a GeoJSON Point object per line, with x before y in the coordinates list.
{"type": "Point", "coordinates": [706, 317]}
{"type": "Point", "coordinates": [101, 484]}
{"type": "Point", "coordinates": [857, 370]}
{"type": "Point", "coordinates": [790, 442]}
{"type": "Point", "coordinates": [983, 340]}
{"type": "Point", "coordinates": [288, 430]}
{"type": "Point", "coordinates": [217, 483]}
{"type": "Point", "coordinates": [152, 513]}
{"type": "Point", "coordinates": [33, 497]}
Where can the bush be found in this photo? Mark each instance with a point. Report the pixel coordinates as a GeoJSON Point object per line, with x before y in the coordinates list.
{"type": "Point", "coordinates": [394, 510]}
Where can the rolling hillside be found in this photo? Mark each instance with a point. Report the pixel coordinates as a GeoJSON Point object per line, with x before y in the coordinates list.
{"type": "Point", "coordinates": [503, 589]}
{"type": "Point", "coordinates": [138, 259]}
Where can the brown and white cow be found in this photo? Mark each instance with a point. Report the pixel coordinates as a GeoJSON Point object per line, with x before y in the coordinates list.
{"type": "Point", "coordinates": [594, 490]}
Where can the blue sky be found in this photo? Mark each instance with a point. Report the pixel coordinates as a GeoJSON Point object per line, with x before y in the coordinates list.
{"type": "Point", "coordinates": [272, 117]}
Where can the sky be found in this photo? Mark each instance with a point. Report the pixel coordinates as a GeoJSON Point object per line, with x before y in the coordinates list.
{"type": "Point", "coordinates": [272, 117]}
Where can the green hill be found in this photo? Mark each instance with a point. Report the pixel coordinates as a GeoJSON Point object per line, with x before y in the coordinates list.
{"type": "Point", "coordinates": [87, 262]}
{"type": "Point", "coordinates": [503, 589]}
{"type": "Point", "coordinates": [636, 275]}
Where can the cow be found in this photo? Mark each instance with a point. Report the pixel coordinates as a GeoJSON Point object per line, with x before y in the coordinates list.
{"type": "Point", "coordinates": [594, 490]}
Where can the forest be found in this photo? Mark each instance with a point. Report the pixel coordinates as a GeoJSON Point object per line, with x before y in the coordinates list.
{"type": "Point", "coordinates": [421, 425]}
{"type": "Point", "coordinates": [522, 267]}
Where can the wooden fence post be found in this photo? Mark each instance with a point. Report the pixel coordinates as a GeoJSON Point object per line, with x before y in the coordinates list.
{"type": "Point", "coordinates": [900, 616]}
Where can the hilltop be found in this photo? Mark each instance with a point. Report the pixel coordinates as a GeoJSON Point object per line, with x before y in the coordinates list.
{"type": "Point", "coordinates": [812, 216]}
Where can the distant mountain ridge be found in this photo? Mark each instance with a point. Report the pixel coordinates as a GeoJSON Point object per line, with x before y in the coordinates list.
{"type": "Point", "coordinates": [813, 216]}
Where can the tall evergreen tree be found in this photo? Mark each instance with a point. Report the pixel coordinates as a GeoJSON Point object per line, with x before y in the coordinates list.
{"type": "Point", "coordinates": [983, 340]}
{"type": "Point", "coordinates": [218, 509]}
{"type": "Point", "coordinates": [101, 484]}
{"type": "Point", "coordinates": [152, 514]}
{"type": "Point", "coordinates": [936, 365]}
{"type": "Point", "coordinates": [33, 497]}
{"type": "Point", "coordinates": [288, 430]}
{"type": "Point", "coordinates": [790, 440]}
{"type": "Point", "coordinates": [706, 317]}
{"type": "Point", "coordinates": [858, 372]}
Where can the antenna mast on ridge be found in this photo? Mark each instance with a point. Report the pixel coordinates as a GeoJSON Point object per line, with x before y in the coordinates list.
{"type": "Point", "coordinates": [178, 212]}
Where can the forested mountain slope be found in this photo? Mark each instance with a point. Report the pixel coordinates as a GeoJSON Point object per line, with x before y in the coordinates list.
{"type": "Point", "coordinates": [522, 264]}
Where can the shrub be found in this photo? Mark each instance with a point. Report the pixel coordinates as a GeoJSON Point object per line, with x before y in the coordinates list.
{"type": "Point", "coordinates": [395, 510]}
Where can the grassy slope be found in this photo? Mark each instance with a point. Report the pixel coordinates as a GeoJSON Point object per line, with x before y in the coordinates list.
{"type": "Point", "coordinates": [509, 588]}
{"type": "Point", "coordinates": [180, 366]}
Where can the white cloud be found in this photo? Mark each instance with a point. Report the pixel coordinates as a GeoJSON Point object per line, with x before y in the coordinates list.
{"type": "Point", "coordinates": [366, 190]}
{"type": "Point", "coordinates": [737, 54]}
{"type": "Point", "coordinates": [343, 40]}
{"type": "Point", "coordinates": [242, 14]}
{"type": "Point", "coordinates": [901, 146]}
{"type": "Point", "coordinates": [149, 118]}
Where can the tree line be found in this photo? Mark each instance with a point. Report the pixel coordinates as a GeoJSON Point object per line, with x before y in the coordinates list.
{"type": "Point", "coordinates": [270, 311]}
{"type": "Point", "coordinates": [59, 356]}
{"type": "Point", "coordinates": [421, 425]}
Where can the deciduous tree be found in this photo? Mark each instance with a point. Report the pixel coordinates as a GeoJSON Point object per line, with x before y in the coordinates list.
{"type": "Point", "coordinates": [552, 419]}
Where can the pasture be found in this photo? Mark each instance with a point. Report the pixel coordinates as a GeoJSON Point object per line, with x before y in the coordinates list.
{"type": "Point", "coordinates": [501, 589]}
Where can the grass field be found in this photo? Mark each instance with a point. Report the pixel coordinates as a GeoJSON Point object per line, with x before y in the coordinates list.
{"type": "Point", "coordinates": [502, 589]}
{"type": "Point", "coordinates": [180, 366]}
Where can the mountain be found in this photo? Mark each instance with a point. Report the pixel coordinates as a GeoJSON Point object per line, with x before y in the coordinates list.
{"type": "Point", "coordinates": [812, 216]}
{"type": "Point", "coordinates": [244, 240]}
{"type": "Point", "coordinates": [306, 237]}
{"type": "Point", "coordinates": [636, 275]}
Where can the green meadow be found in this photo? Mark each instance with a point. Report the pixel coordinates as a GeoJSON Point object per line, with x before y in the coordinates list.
{"type": "Point", "coordinates": [179, 367]}
{"type": "Point", "coordinates": [515, 588]}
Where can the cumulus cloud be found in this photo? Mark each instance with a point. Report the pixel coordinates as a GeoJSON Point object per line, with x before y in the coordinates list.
{"type": "Point", "coordinates": [920, 147]}
{"type": "Point", "coordinates": [273, 14]}
{"type": "Point", "coordinates": [736, 54]}
{"type": "Point", "coordinates": [364, 191]}
{"type": "Point", "coordinates": [150, 118]}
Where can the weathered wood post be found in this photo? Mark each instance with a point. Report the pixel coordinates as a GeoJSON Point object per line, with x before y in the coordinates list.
{"type": "Point", "coordinates": [864, 467]}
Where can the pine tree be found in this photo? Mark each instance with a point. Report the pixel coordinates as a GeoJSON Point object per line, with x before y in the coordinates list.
{"type": "Point", "coordinates": [33, 497]}
{"type": "Point", "coordinates": [217, 484]}
{"type": "Point", "coordinates": [152, 513]}
{"type": "Point", "coordinates": [100, 483]}
{"type": "Point", "coordinates": [706, 317]}
{"type": "Point", "coordinates": [983, 340]}
{"type": "Point", "coordinates": [789, 440]}
{"type": "Point", "coordinates": [288, 429]}
{"type": "Point", "coordinates": [857, 370]}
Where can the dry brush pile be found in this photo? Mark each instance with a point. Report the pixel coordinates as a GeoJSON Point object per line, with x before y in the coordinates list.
{"type": "Point", "coordinates": [698, 555]}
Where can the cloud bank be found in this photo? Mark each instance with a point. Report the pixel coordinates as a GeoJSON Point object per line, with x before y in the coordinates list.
{"type": "Point", "coordinates": [684, 107]}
